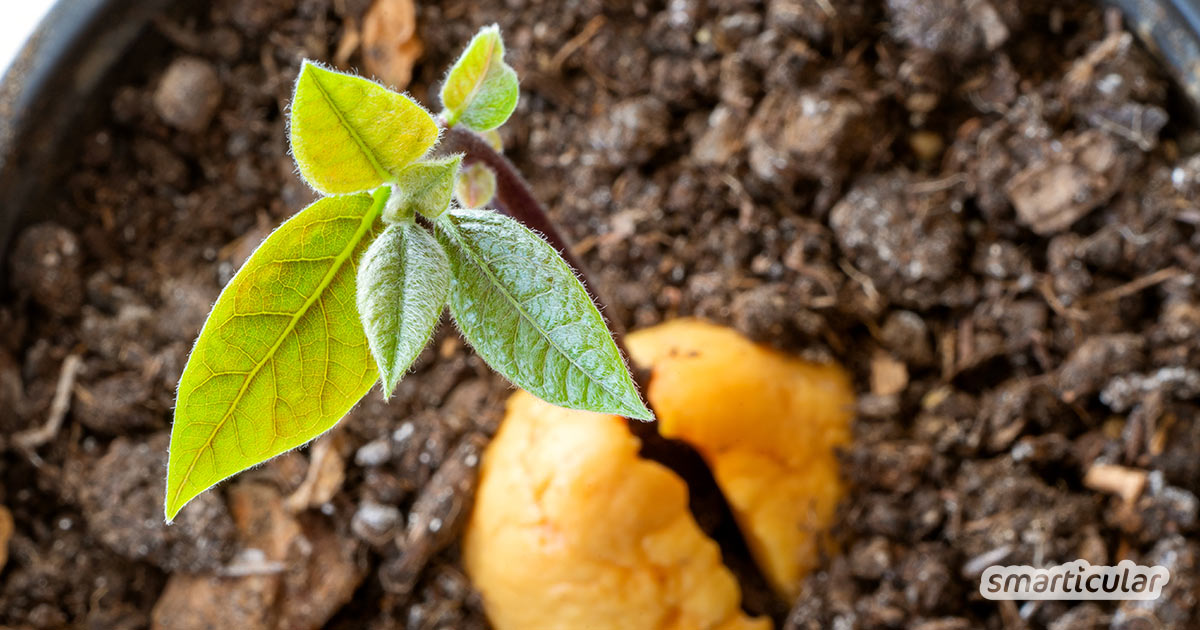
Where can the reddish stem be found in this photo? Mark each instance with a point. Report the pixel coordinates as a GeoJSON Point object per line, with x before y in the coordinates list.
{"type": "Point", "coordinates": [515, 199]}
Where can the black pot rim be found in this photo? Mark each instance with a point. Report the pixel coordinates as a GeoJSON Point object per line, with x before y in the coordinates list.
{"type": "Point", "coordinates": [1171, 29]}
{"type": "Point", "coordinates": [49, 85]}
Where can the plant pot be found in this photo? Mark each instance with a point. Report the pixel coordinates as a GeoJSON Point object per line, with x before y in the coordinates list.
{"type": "Point", "coordinates": [50, 86]}
{"type": "Point", "coordinates": [55, 86]}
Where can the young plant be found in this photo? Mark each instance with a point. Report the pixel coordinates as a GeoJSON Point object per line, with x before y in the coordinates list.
{"type": "Point", "coordinates": [348, 291]}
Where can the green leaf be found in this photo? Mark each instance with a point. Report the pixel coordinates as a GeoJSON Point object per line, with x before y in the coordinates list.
{"type": "Point", "coordinates": [425, 187]}
{"type": "Point", "coordinates": [481, 90]}
{"type": "Point", "coordinates": [529, 317]}
{"type": "Point", "coordinates": [282, 356]}
{"type": "Point", "coordinates": [476, 186]}
{"type": "Point", "coordinates": [349, 134]}
{"type": "Point", "coordinates": [403, 282]}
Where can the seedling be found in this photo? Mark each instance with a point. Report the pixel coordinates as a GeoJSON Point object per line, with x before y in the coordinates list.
{"type": "Point", "coordinates": [349, 291]}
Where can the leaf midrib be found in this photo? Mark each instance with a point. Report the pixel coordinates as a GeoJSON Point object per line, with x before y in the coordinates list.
{"type": "Point", "coordinates": [487, 67]}
{"type": "Point", "coordinates": [407, 282]}
{"type": "Point", "coordinates": [358, 141]}
{"type": "Point", "coordinates": [368, 220]}
{"type": "Point", "coordinates": [401, 311]}
{"type": "Point", "coordinates": [545, 335]}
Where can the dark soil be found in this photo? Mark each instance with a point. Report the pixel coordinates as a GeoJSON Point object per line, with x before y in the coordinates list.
{"type": "Point", "coordinates": [986, 210]}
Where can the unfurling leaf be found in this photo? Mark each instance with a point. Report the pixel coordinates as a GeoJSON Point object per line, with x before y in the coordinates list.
{"type": "Point", "coordinates": [524, 311]}
{"type": "Point", "coordinates": [282, 356]}
{"type": "Point", "coordinates": [425, 187]}
{"type": "Point", "coordinates": [481, 90]}
{"type": "Point", "coordinates": [476, 187]}
{"type": "Point", "coordinates": [403, 282]}
{"type": "Point", "coordinates": [349, 134]}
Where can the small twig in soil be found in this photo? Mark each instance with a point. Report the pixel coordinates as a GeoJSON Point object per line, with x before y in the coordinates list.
{"type": "Point", "coordinates": [863, 280]}
{"type": "Point", "coordinates": [1122, 481]}
{"type": "Point", "coordinates": [974, 567]}
{"type": "Point", "coordinates": [250, 562]}
{"type": "Point", "coordinates": [324, 477]}
{"type": "Point", "coordinates": [575, 43]}
{"type": "Point", "coordinates": [742, 200]}
{"type": "Point", "coordinates": [7, 527]}
{"type": "Point", "coordinates": [59, 406]}
{"type": "Point", "coordinates": [1011, 616]}
{"type": "Point", "coordinates": [1135, 286]}
{"type": "Point", "coordinates": [937, 185]}
{"type": "Point", "coordinates": [437, 516]}
{"type": "Point", "coordinates": [1072, 315]}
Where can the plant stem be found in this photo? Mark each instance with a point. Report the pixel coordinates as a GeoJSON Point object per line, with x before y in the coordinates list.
{"type": "Point", "coordinates": [515, 199]}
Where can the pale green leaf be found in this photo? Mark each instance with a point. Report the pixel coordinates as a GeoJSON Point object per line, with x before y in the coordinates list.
{"type": "Point", "coordinates": [492, 137]}
{"type": "Point", "coordinates": [524, 311]}
{"type": "Point", "coordinates": [476, 186]}
{"type": "Point", "coordinates": [403, 282]}
{"type": "Point", "coordinates": [481, 91]}
{"type": "Point", "coordinates": [349, 134]}
{"type": "Point", "coordinates": [426, 187]}
{"type": "Point", "coordinates": [282, 356]}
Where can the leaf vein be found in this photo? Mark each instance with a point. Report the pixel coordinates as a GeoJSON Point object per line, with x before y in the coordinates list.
{"type": "Point", "coordinates": [358, 141]}
{"type": "Point", "coordinates": [365, 224]}
{"type": "Point", "coordinates": [495, 285]}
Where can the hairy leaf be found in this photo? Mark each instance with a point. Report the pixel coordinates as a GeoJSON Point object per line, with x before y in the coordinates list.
{"type": "Point", "coordinates": [282, 356]}
{"type": "Point", "coordinates": [426, 187]}
{"type": "Point", "coordinates": [529, 317]}
{"type": "Point", "coordinates": [349, 134]}
{"type": "Point", "coordinates": [476, 187]}
{"type": "Point", "coordinates": [481, 90]}
{"type": "Point", "coordinates": [403, 282]}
